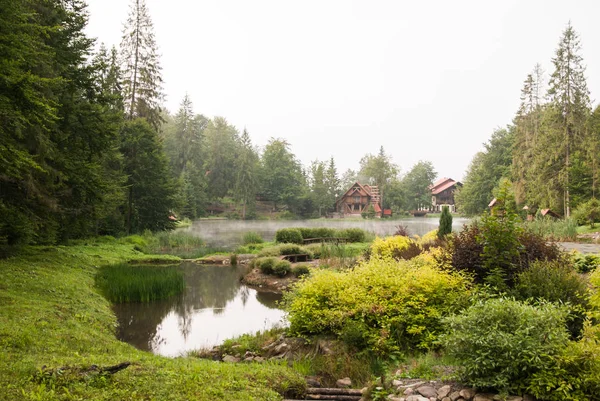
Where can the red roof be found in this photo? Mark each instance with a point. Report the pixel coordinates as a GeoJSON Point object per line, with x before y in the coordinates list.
{"type": "Point", "coordinates": [444, 186]}
{"type": "Point", "coordinates": [377, 208]}
{"type": "Point", "coordinates": [387, 212]}
{"type": "Point", "coordinates": [440, 182]}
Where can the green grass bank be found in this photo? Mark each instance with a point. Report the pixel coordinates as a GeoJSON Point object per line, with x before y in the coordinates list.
{"type": "Point", "coordinates": [54, 325]}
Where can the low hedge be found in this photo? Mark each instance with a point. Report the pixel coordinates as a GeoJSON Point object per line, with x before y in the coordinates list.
{"type": "Point", "coordinates": [298, 235]}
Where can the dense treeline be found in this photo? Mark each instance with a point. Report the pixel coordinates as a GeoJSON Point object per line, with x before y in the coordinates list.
{"type": "Point", "coordinates": [549, 154]}
{"type": "Point", "coordinates": [86, 148]}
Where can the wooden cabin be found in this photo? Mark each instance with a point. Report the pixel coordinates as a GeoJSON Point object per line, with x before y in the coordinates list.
{"type": "Point", "coordinates": [442, 194]}
{"type": "Point", "coordinates": [356, 200]}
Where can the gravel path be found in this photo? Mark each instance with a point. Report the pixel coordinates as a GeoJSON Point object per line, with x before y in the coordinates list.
{"type": "Point", "coordinates": [583, 248]}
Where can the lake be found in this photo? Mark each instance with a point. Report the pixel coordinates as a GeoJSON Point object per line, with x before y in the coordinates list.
{"type": "Point", "coordinates": [215, 306]}
{"type": "Point", "coordinates": [227, 233]}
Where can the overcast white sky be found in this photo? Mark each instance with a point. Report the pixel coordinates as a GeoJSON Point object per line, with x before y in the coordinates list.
{"type": "Point", "coordinates": [428, 80]}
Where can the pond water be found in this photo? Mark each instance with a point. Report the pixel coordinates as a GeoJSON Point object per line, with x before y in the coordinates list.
{"type": "Point", "coordinates": [215, 306]}
{"type": "Point", "coordinates": [226, 233]}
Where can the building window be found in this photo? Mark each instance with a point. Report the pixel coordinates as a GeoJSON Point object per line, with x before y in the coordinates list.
{"type": "Point", "coordinates": [357, 199]}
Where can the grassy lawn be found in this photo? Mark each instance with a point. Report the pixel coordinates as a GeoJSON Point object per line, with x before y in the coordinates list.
{"type": "Point", "coordinates": [587, 230]}
{"type": "Point", "coordinates": [52, 316]}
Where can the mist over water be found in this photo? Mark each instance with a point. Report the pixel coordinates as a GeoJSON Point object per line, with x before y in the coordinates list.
{"type": "Point", "coordinates": [227, 233]}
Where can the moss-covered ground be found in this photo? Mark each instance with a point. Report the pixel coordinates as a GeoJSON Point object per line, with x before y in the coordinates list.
{"type": "Point", "coordinates": [54, 325]}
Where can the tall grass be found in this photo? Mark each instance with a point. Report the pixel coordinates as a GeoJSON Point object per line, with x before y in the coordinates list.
{"type": "Point", "coordinates": [126, 283]}
{"type": "Point", "coordinates": [555, 230]}
{"type": "Point", "coordinates": [178, 243]}
{"type": "Point", "coordinates": [252, 237]}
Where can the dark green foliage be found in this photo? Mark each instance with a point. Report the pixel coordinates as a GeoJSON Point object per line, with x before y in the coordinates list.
{"type": "Point", "coordinates": [559, 283]}
{"type": "Point", "coordinates": [151, 192]}
{"type": "Point", "coordinates": [445, 223]}
{"type": "Point", "coordinates": [290, 249]}
{"type": "Point", "coordinates": [369, 214]}
{"type": "Point", "coordinates": [233, 259]}
{"type": "Point", "coordinates": [301, 270]}
{"type": "Point", "coordinates": [289, 235]}
{"type": "Point", "coordinates": [515, 251]}
{"type": "Point", "coordinates": [282, 268]}
{"type": "Point", "coordinates": [320, 232]}
{"type": "Point", "coordinates": [135, 283]}
{"type": "Point", "coordinates": [502, 343]}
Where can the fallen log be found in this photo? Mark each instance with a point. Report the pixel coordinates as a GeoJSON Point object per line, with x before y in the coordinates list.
{"type": "Point", "coordinates": [339, 391]}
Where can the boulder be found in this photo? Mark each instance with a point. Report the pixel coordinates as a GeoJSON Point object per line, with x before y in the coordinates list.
{"type": "Point", "coordinates": [467, 393]}
{"type": "Point", "coordinates": [230, 359]}
{"type": "Point", "coordinates": [454, 396]}
{"type": "Point", "coordinates": [483, 397]}
{"type": "Point", "coordinates": [427, 391]}
{"type": "Point", "coordinates": [344, 383]}
{"type": "Point", "coordinates": [416, 397]}
{"type": "Point", "coordinates": [444, 391]}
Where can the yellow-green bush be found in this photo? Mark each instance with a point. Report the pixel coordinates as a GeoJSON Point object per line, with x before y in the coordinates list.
{"type": "Point", "coordinates": [383, 305]}
{"type": "Point", "coordinates": [387, 247]}
{"type": "Point", "coordinates": [429, 237]}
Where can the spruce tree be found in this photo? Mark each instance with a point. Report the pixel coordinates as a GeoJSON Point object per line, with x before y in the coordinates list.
{"type": "Point", "coordinates": [142, 84]}
{"type": "Point", "coordinates": [246, 180]}
{"type": "Point", "coordinates": [445, 223]}
{"type": "Point", "coordinates": [569, 97]}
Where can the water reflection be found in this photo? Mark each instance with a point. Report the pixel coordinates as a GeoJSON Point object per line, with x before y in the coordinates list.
{"type": "Point", "coordinates": [225, 233]}
{"type": "Point", "coordinates": [214, 306]}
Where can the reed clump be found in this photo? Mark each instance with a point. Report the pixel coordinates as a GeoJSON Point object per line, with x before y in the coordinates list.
{"type": "Point", "coordinates": [134, 283]}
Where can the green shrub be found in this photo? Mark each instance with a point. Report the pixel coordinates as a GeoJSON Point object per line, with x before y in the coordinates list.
{"type": "Point", "coordinates": [586, 263]}
{"type": "Point", "coordinates": [493, 253]}
{"type": "Point", "coordinates": [316, 250]}
{"type": "Point", "coordinates": [501, 343]}
{"type": "Point", "coordinates": [289, 235]}
{"type": "Point", "coordinates": [127, 283]}
{"type": "Point", "coordinates": [252, 237]}
{"type": "Point", "coordinates": [282, 268]}
{"type": "Point", "coordinates": [588, 213]}
{"type": "Point", "coordinates": [353, 234]}
{"type": "Point", "coordinates": [286, 249]}
{"type": "Point", "coordinates": [265, 265]}
{"type": "Point", "coordinates": [558, 283]}
{"type": "Point", "coordinates": [290, 249]}
{"type": "Point", "coordinates": [319, 232]}
{"type": "Point", "coordinates": [398, 304]}
{"type": "Point", "coordinates": [301, 270]}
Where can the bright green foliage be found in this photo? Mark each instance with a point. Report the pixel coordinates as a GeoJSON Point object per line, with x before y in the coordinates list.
{"type": "Point", "coordinates": [379, 170]}
{"type": "Point", "coordinates": [559, 283]}
{"type": "Point", "coordinates": [53, 315]}
{"type": "Point", "coordinates": [389, 246]}
{"type": "Point", "coordinates": [138, 283]}
{"type": "Point", "coordinates": [282, 268]}
{"type": "Point", "coordinates": [289, 235]}
{"type": "Point", "coordinates": [588, 213]}
{"type": "Point", "coordinates": [252, 237]}
{"type": "Point", "coordinates": [502, 343]}
{"type": "Point", "coordinates": [553, 229]}
{"type": "Point", "coordinates": [445, 223]}
{"type": "Point", "coordinates": [586, 263]}
{"type": "Point", "coordinates": [383, 305]}
{"type": "Point", "coordinates": [353, 234]}
{"type": "Point", "coordinates": [319, 232]}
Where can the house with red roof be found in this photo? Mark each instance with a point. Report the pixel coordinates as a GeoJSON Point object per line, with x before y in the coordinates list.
{"type": "Point", "coordinates": [442, 194]}
{"type": "Point", "coordinates": [356, 200]}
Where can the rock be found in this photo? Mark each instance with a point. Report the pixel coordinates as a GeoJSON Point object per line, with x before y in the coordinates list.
{"type": "Point", "coordinates": [415, 384]}
{"type": "Point", "coordinates": [454, 396]}
{"type": "Point", "coordinates": [409, 391]}
{"type": "Point", "coordinates": [313, 381]}
{"type": "Point", "coordinates": [344, 383]}
{"type": "Point", "coordinates": [444, 391]}
{"type": "Point", "coordinates": [280, 348]}
{"type": "Point", "coordinates": [249, 359]}
{"type": "Point", "coordinates": [397, 383]}
{"type": "Point", "coordinates": [483, 397]}
{"type": "Point", "coordinates": [230, 359]}
{"type": "Point", "coordinates": [248, 354]}
{"type": "Point", "coordinates": [514, 398]}
{"type": "Point", "coordinates": [446, 399]}
{"type": "Point", "coordinates": [427, 391]}
{"type": "Point", "coordinates": [467, 393]}
{"type": "Point", "coordinates": [528, 398]}
{"type": "Point", "coordinates": [259, 359]}
{"type": "Point", "coordinates": [416, 397]}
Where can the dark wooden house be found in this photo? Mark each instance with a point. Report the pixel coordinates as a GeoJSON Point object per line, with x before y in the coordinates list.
{"type": "Point", "coordinates": [356, 200]}
{"type": "Point", "coordinates": [442, 194]}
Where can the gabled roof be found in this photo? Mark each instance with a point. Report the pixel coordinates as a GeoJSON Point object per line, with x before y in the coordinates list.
{"type": "Point", "coordinates": [448, 183]}
{"type": "Point", "coordinates": [440, 182]}
{"type": "Point", "coordinates": [361, 187]}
